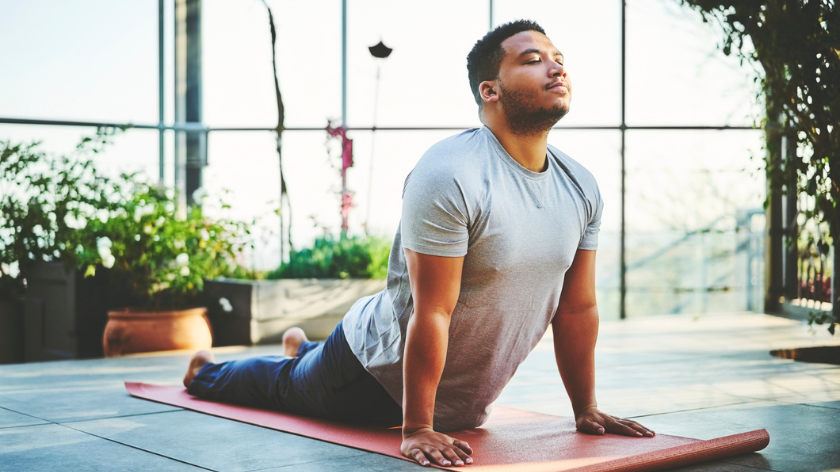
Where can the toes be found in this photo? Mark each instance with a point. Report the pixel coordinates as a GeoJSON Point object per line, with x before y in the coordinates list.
{"type": "Point", "coordinates": [196, 363]}
{"type": "Point", "coordinates": [202, 357]}
{"type": "Point", "coordinates": [294, 335]}
{"type": "Point", "coordinates": [292, 339]}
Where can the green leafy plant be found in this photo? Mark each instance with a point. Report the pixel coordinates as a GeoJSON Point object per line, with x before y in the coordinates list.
{"type": "Point", "coordinates": [795, 46]}
{"type": "Point", "coordinates": [162, 257]}
{"type": "Point", "coordinates": [45, 201]}
{"type": "Point", "coordinates": [61, 209]}
{"type": "Point", "coordinates": [345, 257]}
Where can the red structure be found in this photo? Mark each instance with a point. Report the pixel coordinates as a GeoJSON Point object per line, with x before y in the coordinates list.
{"type": "Point", "coordinates": [340, 132]}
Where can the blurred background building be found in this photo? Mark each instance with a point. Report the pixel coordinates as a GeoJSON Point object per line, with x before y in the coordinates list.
{"type": "Point", "coordinates": [661, 117]}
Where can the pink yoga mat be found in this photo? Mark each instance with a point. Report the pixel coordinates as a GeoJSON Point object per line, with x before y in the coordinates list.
{"type": "Point", "coordinates": [512, 438]}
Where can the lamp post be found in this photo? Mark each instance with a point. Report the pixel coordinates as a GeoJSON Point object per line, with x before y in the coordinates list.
{"type": "Point", "coordinates": [380, 52]}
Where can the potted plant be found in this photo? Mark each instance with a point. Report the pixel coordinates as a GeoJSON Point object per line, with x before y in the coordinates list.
{"type": "Point", "coordinates": [162, 258]}
{"type": "Point", "coordinates": [46, 310]}
{"type": "Point", "coordinates": [75, 244]}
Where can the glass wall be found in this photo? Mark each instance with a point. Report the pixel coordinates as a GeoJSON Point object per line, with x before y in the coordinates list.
{"type": "Point", "coordinates": [84, 60]}
{"type": "Point", "coordinates": [693, 215]}
{"type": "Point", "coordinates": [691, 196]}
{"type": "Point", "coordinates": [676, 75]}
{"type": "Point", "coordinates": [237, 76]}
{"type": "Point", "coordinates": [134, 151]}
{"type": "Point", "coordinates": [423, 83]}
{"type": "Point", "coordinates": [589, 36]}
{"type": "Point", "coordinates": [600, 152]}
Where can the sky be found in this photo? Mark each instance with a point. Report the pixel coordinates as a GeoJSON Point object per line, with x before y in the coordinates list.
{"type": "Point", "coordinates": [97, 60]}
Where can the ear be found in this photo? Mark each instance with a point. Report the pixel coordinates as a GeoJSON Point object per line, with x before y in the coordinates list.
{"type": "Point", "coordinates": [488, 90]}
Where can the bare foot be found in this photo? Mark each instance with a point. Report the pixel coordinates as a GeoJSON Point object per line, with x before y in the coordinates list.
{"type": "Point", "coordinates": [198, 360]}
{"type": "Point", "coordinates": [292, 339]}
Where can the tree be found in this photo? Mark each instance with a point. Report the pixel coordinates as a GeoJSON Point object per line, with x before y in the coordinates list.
{"type": "Point", "coordinates": [797, 45]}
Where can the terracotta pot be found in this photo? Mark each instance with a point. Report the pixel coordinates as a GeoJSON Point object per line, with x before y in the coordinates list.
{"type": "Point", "coordinates": [134, 330]}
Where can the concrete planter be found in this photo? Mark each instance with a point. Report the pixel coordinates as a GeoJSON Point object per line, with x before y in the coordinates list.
{"type": "Point", "coordinates": [64, 313]}
{"type": "Point", "coordinates": [11, 331]}
{"type": "Point", "coordinates": [261, 310]}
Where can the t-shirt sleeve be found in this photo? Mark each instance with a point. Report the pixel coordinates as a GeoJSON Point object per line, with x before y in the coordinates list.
{"type": "Point", "coordinates": [434, 215]}
{"type": "Point", "coordinates": [589, 241]}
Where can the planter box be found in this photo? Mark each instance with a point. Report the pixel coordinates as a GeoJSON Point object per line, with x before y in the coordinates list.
{"type": "Point", "coordinates": [65, 313]}
{"type": "Point", "coordinates": [264, 309]}
{"type": "Point", "coordinates": [11, 332]}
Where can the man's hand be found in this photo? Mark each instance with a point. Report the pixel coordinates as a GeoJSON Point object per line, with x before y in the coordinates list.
{"type": "Point", "coordinates": [435, 284]}
{"type": "Point", "coordinates": [425, 444]}
{"type": "Point", "coordinates": [593, 421]}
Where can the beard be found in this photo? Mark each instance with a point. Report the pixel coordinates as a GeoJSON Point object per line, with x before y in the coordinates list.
{"type": "Point", "coordinates": [524, 116]}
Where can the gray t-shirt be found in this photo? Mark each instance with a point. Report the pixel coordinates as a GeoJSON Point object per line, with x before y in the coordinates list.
{"type": "Point", "coordinates": [518, 230]}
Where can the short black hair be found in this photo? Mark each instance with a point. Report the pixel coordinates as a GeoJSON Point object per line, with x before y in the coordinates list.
{"type": "Point", "coordinates": [484, 60]}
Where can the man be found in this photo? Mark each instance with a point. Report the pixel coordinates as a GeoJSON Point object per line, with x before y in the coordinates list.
{"type": "Point", "coordinates": [497, 241]}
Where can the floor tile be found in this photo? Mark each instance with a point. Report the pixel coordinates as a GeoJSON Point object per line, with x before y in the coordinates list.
{"type": "Point", "coordinates": [716, 466]}
{"type": "Point", "coordinates": [21, 378]}
{"type": "Point", "coordinates": [645, 401]}
{"type": "Point", "coordinates": [360, 463]}
{"type": "Point", "coordinates": [12, 419]}
{"type": "Point", "coordinates": [55, 447]}
{"type": "Point", "coordinates": [215, 443]}
{"type": "Point", "coordinates": [62, 404]}
{"type": "Point", "coordinates": [835, 405]}
{"type": "Point", "coordinates": [802, 438]}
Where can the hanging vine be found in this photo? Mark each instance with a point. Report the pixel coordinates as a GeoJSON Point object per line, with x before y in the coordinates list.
{"type": "Point", "coordinates": [797, 45]}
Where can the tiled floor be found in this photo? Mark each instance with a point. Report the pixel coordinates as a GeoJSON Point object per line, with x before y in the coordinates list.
{"type": "Point", "coordinates": [700, 377]}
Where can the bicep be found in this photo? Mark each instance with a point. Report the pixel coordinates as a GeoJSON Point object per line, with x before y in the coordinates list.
{"type": "Point", "coordinates": [435, 281]}
{"type": "Point", "coordinates": [579, 284]}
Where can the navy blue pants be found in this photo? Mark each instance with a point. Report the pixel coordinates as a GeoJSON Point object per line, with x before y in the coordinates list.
{"type": "Point", "coordinates": [325, 380]}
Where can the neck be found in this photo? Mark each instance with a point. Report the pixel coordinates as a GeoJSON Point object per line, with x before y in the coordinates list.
{"type": "Point", "coordinates": [528, 150]}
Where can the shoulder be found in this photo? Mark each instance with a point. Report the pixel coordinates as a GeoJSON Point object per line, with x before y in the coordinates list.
{"type": "Point", "coordinates": [579, 174]}
{"type": "Point", "coordinates": [456, 161]}
{"type": "Point", "coordinates": [581, 178]}
{"type": "Point", "coordinates": [454, 152]}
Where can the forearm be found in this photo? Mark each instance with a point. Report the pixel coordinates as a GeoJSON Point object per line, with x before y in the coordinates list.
{"type": "Point", "coordinates": [575, 334]}
{"type": "Point", "coordinates": [425, 355]}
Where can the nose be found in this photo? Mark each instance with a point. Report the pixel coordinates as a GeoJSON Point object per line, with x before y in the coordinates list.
{"type": "Point", "coordinates": [557, 70]}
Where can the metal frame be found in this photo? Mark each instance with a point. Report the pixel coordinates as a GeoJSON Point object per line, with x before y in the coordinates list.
{"type": "Point", "coordinates": [161, 93]}
{"type": "Point", "coordinates": [200, 128]}
{"type": "Point", "coordinates": [622, 304]}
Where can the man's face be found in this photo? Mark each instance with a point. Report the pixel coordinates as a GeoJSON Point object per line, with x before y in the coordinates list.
{"type": "Point", "coordinates": [535, 91]}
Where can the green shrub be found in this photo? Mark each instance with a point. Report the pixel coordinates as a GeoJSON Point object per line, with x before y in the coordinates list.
{"type": "Point", "coordinates": [45, 203]}
{"type": "Point", "coordinates": [163, 257]}
{"type": "Point", "coordinates": [61, 209]}
{"type": "Point", "coordinates": [342, 258]}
